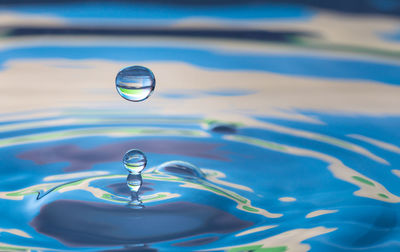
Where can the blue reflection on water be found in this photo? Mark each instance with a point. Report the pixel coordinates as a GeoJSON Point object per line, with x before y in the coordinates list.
{"type": "Point", "coordinates": [150, 12]}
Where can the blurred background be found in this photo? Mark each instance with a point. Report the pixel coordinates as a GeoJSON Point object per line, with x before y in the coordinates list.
{"type": "Point", "coordinates": [290, 55]}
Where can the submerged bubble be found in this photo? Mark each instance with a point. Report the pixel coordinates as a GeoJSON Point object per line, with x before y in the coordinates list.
{"type": "Point", "coordinates": [181, 169]}
{"type": "Point", "coordinates": [135, 83]}
{"type": "Point", "coordinates": [134, 161]}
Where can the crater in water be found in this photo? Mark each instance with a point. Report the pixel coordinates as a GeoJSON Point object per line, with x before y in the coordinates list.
{"type": "Point", "coordinates": [111, 224]}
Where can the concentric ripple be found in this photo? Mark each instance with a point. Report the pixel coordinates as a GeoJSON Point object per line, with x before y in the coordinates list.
{"type": "Point", "coordinates": [203, 189]}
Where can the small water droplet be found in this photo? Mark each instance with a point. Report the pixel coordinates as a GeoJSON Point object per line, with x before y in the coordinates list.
{"type": "Point", "coordinates": [134, 182]}
{"type": "Point", "coordinates": [181, 169]}
{"type": "Point", "coordinates": [135, 83]}
{"type": "Point", "coordinates": [134, 161]}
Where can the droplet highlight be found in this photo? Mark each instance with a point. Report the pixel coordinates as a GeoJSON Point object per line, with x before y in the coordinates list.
{"type": "Point", "coordinates": [135, 83]}
{"type": "Point", "coordinates": [134, 161]}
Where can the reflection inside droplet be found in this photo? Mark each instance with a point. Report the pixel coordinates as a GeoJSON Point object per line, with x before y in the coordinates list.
{"type": "Point", "coordinates": [134, 182]}
{"type": "Point", "coordinates": [135, 83]}
{"type": "Point", "coordinates": [134, 161]}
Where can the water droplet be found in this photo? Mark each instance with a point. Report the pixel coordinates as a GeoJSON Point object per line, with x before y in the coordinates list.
{"type": "Point", "coordinates": [135, 83]}
{"type": "Point", "coordinates": [134, 182]}
{"type": "Point", "coordinates": [134, 161]}
{"type": "Point", "coordinates": [181, 169]}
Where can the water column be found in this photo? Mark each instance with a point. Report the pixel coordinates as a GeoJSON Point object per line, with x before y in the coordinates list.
{"type": "Point", "coordinates": [135, 161]}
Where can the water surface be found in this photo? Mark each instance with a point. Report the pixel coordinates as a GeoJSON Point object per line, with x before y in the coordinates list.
{"type": "Point", "coordinates": [287, 122]}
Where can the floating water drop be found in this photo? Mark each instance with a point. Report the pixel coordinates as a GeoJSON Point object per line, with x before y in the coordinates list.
{"type": "Point", "coordinates": [181, 169]}
{"type": "Point", "coordinates": [135, 83]}
{"type": "Point", "coordinates": [134, 161]}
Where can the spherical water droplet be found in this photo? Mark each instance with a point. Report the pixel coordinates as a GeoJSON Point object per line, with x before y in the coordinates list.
{"type": "Point", "coordinates": [134, 182]}
{"type": "Point", "coordinates": [181, 169]}
{"type": "Point", "coordinates": [135, 83]}
{"type": "Point", "coordinates": [135, 161]}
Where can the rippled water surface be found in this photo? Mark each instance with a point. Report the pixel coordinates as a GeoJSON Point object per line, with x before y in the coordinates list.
{"type": "Point", "coordinates": [272, 128]}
